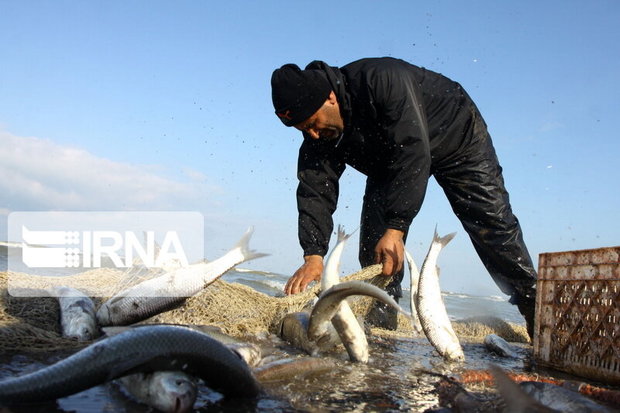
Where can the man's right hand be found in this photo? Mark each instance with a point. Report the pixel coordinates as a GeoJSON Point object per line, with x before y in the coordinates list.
{"type": "Point", "coordinates": [311, 270]}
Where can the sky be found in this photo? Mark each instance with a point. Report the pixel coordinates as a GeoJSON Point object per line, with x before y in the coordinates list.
{"type": "Point", "coordinates": [166, 106]}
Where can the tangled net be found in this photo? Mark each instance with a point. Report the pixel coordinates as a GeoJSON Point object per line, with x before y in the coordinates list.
{"type": "Point", "coordinates": [30, 324]}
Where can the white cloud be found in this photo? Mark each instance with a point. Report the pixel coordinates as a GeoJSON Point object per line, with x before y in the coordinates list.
{"type": "Point", "coordinates": [42, 175]}
{"type": "Point", "coordinates": [39, 174]}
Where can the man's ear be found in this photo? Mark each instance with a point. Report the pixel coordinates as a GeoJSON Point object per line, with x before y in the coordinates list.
{"type": "Point", "coordinates": [332, 97]}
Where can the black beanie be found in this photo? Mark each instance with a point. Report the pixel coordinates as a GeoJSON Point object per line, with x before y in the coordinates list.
{"type": "Point", "coordinates": [297, 93]}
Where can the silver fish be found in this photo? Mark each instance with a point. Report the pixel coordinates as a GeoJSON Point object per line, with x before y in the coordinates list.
{"type": "Point", "coordinates": [294, 329]}
{"type": "Point", "coordinates": [153, 296]}
{"type": "Point", "coordinates": [414, 275]}
{"type": "Point", "coordinates": [498, 345]}
{"type": "Point", "coordinates": [329, 303]}
{"type": "Point", "coordinates": [77, 313]}
{"type": "Point", "coordinates": [561, 399]}
{"type": "Point", "coordinates": [431, 308]}
{"type": "Point", "coordinates": [166, 391]}
{"type": "Point", "coordinates": [147, 348]}
{"type": "Point", "coordinates": [288, 369]}
{"type": "Point", "coordinates": [349, 329]}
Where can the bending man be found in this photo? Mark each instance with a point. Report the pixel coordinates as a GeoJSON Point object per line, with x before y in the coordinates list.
{"type": "Point", "coordinates": [398, 124]}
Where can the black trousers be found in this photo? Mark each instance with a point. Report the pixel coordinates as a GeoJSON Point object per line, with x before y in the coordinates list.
{"type": "Point", "coordinates": [473, 183]}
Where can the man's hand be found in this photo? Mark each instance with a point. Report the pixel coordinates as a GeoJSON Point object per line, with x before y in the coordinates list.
{"type": "Point", "coordinates": [390, 251]}
{"type": "Point", "coordinates": [311, 270]}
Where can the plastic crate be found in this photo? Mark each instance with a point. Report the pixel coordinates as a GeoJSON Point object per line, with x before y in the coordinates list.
{"type": "Point", "coordinates": [577, 326]}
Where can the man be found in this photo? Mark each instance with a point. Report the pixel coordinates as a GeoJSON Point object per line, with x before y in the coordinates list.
{"type": "Point", "coordinates": [398, 124]}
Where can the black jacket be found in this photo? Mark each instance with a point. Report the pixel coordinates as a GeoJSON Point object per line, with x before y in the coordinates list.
{"type": "Point", "coordinates": [401, 123]}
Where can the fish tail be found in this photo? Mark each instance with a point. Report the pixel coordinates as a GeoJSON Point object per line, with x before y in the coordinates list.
{"type": "Point", "coordinates": [342, 236]}
{"type": "Point", "coordinates": [244, 246]}
{"type": "Point", "coordinates": [443, 240]}
{"type": "Point", "coordinates": [515, 398]}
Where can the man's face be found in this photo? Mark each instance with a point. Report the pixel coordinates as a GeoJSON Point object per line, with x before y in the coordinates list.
{"type": "Point", "coordinates": [326, 123]}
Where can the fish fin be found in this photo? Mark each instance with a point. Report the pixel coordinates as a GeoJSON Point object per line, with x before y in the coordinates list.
{"type": "Point", "coordinates": [515, 398]}
{"type": "Point", "coordinates": [244, 246]}
{"type": "Point", "coordinates": [114, 330]}
{"type": "Point", "coordinates": [443, 240]}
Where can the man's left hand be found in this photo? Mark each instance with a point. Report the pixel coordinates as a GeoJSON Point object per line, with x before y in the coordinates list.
{"type": "Point", "coordinates": [390, 251]}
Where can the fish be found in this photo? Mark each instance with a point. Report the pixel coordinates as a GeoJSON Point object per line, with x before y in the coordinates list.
{"type": "Point", "coordinates": [431, 308]}
{"type": "Point", "coordinates": [165, 292]}
{"type": "Point", "coordinates": [77, 313]}
{"type": "Point", "coordinates": [166, 391]}
{"type": "Point", "coordinates": [516, 400]}
{"type": "Point", "coordinates": [294, 329]}
{"type": "Point", "coordinates": [561, 399]}
{"type": "Point", "coordinates": [498, 345]}
{"type": "Point", "coordinates": [141, 349]}
{"type": "Point", "coordinates": [344, 321]}
{"type": "Point", "coordinates": [329, 302]}
{"type": "Point", "coordinates": [414, 275]}
{"type": "Point", "coordinates": [287, 369]}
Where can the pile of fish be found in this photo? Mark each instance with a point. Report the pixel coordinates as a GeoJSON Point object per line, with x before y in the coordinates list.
{"type": "Point", "coordinates": [315, 332]}
{"type": "Point", "coordinates": [331, 319]}
{"type": "Point", "coordinates": [157, 365]}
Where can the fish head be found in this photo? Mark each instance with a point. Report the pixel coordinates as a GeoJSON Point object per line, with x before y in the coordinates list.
{"type": "Point", "coordinates": [82, 327]}
{"type": "Point", "coordinates": [173, 391]}
{"type": "Point", "coordinates": [86, 333]}
{"type": "Point", "coordinates": [293, 327]}
{"type": "Point", "coordinates": [250, 353]}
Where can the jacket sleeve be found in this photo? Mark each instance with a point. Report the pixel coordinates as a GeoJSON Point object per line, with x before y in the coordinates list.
{"type": "Point", "coordinates": [318, 172]}
{"type": "Point", "coordinates": [399, 107]}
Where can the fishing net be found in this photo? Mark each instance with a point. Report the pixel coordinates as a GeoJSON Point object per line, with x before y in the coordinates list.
{"type": "Point", "coordinates": [32, 324]}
